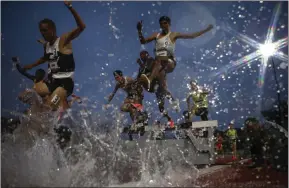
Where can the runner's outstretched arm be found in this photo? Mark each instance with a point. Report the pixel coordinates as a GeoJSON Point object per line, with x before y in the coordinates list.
{"type": "Point", "coordinates": [192, 35]}
{"type": "Point", "coordinates": [80, 24]}
{"type": "Point", "coordinates": [22, 70]}
{"type": "Point", "coordinates": [141, 37]}
{"type": "Point", "coordinates": [24, 73]}
{"type": "Point", "coordinates": [38, 62]}
{"type": "Point", "coordinates": [113, 93]}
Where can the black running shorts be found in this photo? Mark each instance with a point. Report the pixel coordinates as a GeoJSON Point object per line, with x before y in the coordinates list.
{"type": "Point", "coordinates": [66, 83]}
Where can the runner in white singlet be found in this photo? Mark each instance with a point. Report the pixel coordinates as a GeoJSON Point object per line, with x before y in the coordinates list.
{"type": "Point", "coordinates": [164, 47]}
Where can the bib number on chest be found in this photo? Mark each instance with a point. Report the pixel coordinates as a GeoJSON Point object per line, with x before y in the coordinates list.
{"type": "Point", "coordinates": [53, 66]}
{"type": "Point", "coordinates": [161, 53]}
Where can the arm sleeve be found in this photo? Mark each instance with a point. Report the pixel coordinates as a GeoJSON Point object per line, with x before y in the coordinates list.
{"type": "Point", "coordinates": [24, 73]}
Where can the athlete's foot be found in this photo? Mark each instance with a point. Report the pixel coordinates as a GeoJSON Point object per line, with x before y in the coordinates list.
{"type": "Point", "coordinates": [145, 82]}
{"type": "Point", "coordinates": [171, 124]}
{"type": "Point", "coordinates": [76, 98]}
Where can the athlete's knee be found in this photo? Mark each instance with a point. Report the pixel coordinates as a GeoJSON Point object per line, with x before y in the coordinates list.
{"type": "Point", "coordinates": [169, 66]}
{"type": "Point", "coordinates": [41, 89]}
{"type": "Point", "coordinates": [125, 107]}
{"type": "Point", "coordinates": [61, 92]}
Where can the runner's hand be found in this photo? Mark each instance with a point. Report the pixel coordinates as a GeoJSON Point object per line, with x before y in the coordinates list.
{"type": "Point", "coordinates": [15, 60]}
{"type": "Point", "coordinates": [210, 27]}
{"type": "Point", "coordinates": [138, 61]}
{"type": "Point", "coordinates": [67, 3]}
{"type": "Point", "coordinates": [139, 25]}
{"type": "Point", "coordinates": [41, 41]}
{"type": "Point", "coordinates": [105, 106]}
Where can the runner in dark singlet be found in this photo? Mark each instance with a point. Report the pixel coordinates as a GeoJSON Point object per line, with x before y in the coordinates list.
{"type": "Point", "coordinates": [41, 87]}
{"type": "Point", "coordinates": [164, 47]}
{"type": "Point", "coordinates": [133, 101]}
{"type": "Point", "coordinates": [58, 53]}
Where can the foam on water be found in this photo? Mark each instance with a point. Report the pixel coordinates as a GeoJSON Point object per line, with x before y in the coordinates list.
{"type": "Point", "coordinates": [95, 157]}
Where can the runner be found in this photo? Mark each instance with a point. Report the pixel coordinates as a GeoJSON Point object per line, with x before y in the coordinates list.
{"type": "Point", "coordinates": [58, 53]}
{"type": "Point", "coordinates": [200, 99]}
{"type": "Point", "coordinates": [219, 144]}
{"type": "Point", "coordinates": [164, 47]}
{"type": "Point", "coordinates": [133, 101]}
{"type": "Point", "coordinates": [232, 135]}
{"type": "Point", "coordinates": [41, 87]}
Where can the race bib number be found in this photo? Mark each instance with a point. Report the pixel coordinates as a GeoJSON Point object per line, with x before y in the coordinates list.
{"type": "Point", "coordinates": [161, 53]}
{"type": "Point", "coordinates": [52, 54]}
{"type": "Point", "coordinates": [53, 66]}
{"type": "Point", "coordinates": [55, 99]}
{"type": "Point", "coordinates": [139, 124]}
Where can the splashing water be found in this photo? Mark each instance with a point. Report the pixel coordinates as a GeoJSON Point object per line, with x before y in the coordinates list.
{"type": "Point", "coordinates": [95, 156]}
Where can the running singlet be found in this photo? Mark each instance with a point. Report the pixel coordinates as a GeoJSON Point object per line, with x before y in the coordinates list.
{"type": "Point", "coordinates": [164, 46]}
{"type": "Point", "coordinates": [232, 134]}
{"type": "Point", "coordinates": [59, 65]}
{"type": "Point", "coordinates": [200, 99]}
{"type": "Point", "coordinates": [133, 89]}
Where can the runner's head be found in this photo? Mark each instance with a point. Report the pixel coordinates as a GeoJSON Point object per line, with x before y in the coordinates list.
{"type": "Point", "coordinates": [39, 75]}
{"type": "Point", "coordinates": [144, 55]}
{"type": "Point", "coordinates": [186, 115]}
{"type": "Point", "coordinates": [231, 125]}
{"type": "Point", "coordinates": [194, 84]}
{"type": "Point", "coordinates": [165, 23]}
{"type": "Point", "coordinates": [118, 76]}
{"type": "Point", "coordinates": [47, 29]}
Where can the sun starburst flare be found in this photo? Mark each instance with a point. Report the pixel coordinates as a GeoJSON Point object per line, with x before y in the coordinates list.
{"type": "Point", "coordinates": [263, 51]}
